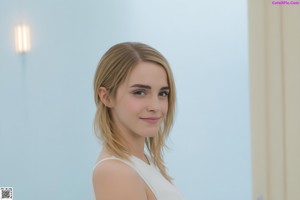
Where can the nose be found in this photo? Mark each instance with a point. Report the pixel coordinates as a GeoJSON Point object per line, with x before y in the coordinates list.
{"type": "Point", "coordinates": [154, 104]}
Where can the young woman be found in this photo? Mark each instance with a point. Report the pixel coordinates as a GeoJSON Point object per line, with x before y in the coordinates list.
{"type": "Point", "coordinates": [135, 97]}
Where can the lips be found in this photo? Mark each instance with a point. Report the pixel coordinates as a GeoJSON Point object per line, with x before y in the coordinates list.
{"type": "Point", "coordinates": [151, 120]}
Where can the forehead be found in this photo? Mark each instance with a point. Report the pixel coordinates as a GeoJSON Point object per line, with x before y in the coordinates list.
{"type": "Point", "coordinates": [149, 74]}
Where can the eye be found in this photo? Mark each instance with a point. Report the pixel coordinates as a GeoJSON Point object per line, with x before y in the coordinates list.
{"type": "Point", "coordinates": [164, 93]}
{"type": "Point", "coordinates": [139, 93]}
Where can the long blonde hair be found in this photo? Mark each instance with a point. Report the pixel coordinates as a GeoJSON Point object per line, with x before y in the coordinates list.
{"type": "Point", "coordinates": [112, 70]}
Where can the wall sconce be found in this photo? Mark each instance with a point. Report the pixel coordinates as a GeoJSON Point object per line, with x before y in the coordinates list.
{"type": "Point", "coordinates": [22, 38]}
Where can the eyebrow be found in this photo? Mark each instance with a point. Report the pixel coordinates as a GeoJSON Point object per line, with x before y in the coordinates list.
{"type": "Point", "coordinates": [148, 87]}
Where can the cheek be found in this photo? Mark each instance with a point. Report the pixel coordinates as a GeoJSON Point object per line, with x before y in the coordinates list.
{"type": "Point", "coordinates": [133, 105]}
{"type": "Point", "coordinates": [165, 106]}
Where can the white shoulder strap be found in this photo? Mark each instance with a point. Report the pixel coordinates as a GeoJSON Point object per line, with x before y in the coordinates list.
{"type": "Point", "coordinates": [109, 158]}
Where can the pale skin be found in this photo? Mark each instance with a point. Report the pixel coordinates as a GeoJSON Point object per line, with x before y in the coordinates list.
{"type": "Point", "coordinates": [138, 109]}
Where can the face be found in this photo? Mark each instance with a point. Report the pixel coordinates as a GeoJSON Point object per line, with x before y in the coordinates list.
{"type": "Point", "coordinates": [141, 102]}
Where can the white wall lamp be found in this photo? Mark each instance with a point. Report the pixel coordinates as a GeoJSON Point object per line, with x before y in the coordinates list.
{"type": "Point", "coordinates": [22, 38]}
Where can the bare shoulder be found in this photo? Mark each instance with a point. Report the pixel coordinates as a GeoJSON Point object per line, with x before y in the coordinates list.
{"type": "Point", "coordinates": [115, 180]}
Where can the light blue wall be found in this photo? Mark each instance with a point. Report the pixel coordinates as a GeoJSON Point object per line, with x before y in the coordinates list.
{"type": "Point", "coordinates": [47, 146]}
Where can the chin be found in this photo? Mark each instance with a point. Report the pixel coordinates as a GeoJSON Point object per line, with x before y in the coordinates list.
{"type": "Point", "coordinates": [151, 134]}
{"type": "Point", "coordinates": [148, 131]}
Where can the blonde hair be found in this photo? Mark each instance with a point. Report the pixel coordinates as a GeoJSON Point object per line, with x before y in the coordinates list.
{"type": "Point", "coordinates": [112, 70]}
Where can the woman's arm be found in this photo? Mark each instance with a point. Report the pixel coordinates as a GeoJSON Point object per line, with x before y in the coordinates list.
{"type": "Point", "coordinates": [114, 180]}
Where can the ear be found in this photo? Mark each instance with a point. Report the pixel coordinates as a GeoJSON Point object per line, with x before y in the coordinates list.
{"type": "Point", "coordinates": [105, 97]}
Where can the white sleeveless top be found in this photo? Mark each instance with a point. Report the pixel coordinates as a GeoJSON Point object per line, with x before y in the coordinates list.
{"type": "Point", "coordinates": [161, 187]}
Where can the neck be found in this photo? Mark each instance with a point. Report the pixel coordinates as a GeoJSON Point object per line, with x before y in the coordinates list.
{"type": "Point", "coordinates": [135, 143]}
{"type": "Point", "coordinates": [136, 147]}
